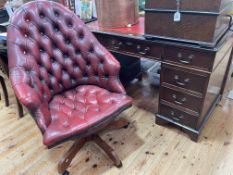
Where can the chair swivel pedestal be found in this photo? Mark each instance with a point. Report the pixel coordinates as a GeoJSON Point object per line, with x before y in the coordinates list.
{"type": "Point", "coordinates": [79, 143]}
{"type": "Point", "coordinates": [4, 89]}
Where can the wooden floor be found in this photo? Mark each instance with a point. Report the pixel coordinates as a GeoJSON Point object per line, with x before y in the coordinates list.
{"type": "Point", "coordinates": [145, 148]}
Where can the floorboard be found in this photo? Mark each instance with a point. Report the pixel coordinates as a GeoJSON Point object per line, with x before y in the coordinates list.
{"type": "Point", "coordinates": [144, 147]}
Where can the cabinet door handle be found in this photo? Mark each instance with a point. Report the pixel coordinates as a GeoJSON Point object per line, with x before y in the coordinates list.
{"type": "Point", "coordinates": [117, 45]}
{"type": "Point", "coordinates": [129, 43]}
{"type": "Point", "coordinates": [143, 51]}
{"type": "Point", "coordinates": [178, 81]}
{"type": "Point", "coordinates": [185, 60]}
{"type": "Point", "coordinates": [179, 102]}
{"type": "Point", "coordinates": [174, 117]}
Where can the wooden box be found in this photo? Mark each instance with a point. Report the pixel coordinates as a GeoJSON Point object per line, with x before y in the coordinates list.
{"type": "Point", "coordinates": [2, 3]}
{"type": "Point", "coordinates": [117, 13]}
{"type": "Point", "coordinates": [193, 5]}
{"type": "Point", "coordinates": [203, 28]}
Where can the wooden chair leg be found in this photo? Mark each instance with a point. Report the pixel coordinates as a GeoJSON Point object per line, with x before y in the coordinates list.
{"type": "Point", "coordinates": [20, 108]}
{"type": "Point", "coordinates": [69, 155]}
{"type": "Point", "coordinates": [118, 124]}
{"type": "Point", "coordinates": [140, 76]}
{"type": "Point", "coordinates": [5, 93]}
{"type": "Point", "coordinates": [108, 150]}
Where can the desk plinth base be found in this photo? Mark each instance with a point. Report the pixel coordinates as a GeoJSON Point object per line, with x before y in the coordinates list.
{"type": "Point", "coordinates": [193, 134]}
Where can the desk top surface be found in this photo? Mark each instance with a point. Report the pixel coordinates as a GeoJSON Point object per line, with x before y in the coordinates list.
{"type": "Point", "coordinates": [134, 30]}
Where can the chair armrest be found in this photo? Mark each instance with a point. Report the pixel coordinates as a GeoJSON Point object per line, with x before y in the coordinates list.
{"type": "Point", "coordinates": [27, 96]}
{"type": "Point", "coordinates": [112, 68]}
{"type": "Point", "coordinates": [42, 116]}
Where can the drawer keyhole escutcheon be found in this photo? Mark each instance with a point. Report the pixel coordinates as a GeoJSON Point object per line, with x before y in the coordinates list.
{"type": "Point", "coordinates": [187, 60]}
{"type": "Point", "coordinates": [174, 117]}
{"type": "Point", "coordinates": [177, 101]}
{"type": "Point", "coordinates": [179, 82]}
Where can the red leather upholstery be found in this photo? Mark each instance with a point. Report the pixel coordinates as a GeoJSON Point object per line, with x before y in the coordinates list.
{"type": "Point", "coordinates": [53, 58]}
{"type": "Point", "coordinates": [79, 109]}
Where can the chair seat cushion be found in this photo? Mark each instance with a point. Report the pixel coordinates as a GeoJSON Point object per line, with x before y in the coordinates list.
{"type": "Point", "coordinates": [79, 109]}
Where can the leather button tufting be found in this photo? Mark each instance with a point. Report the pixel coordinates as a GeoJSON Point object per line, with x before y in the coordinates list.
{"type": "Point", "coordinates": [55, 27]}
{"type": "Point", "coordinates": [24, 52]}
{"type": "Point", "coordinates": [81, 35]}
{"type": "Point", "coordinates": [66, 124]}
{"type": "Point", "coordinates": [69, 23]}
{"type": "Point", "coordinates": [42, 15]}
{"type": "Point", "coordinates": [53, 60]}
{"type": "Point", "coordinates": [42, 49]}
{"type": "Point", "coordinates": [50, 86]}
{"type": "Point", "coordinates": [56, 13]}
{"type": "Point", "coordinates": [101, 62]}
{"type": "Point", "coordinates": [65, 56]}
{"type": "Point", "coordinates": [88, 63]}
{"type": "Point", "coordinates": [91, 49]}
{"type": "Point", "coordinates": [77, 52]}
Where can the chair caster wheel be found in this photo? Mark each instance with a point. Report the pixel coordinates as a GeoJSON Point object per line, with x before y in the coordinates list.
{"type": "Point", "coordinates": [66, 173]}
{"type": "Point", "coordinates": [119, 165]}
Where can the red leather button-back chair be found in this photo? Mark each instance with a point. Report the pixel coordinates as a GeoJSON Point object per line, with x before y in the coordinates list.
{"type": "Point", "coordinates": [65, 77]}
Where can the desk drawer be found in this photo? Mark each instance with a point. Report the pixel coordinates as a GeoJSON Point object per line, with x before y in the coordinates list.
{"type": "Point", "coordinates": [190, 58]}
{"type": "Point", "coordinates": [184, 79]}
{"type": "Point", "coordinates": [131, 46]}
{"type": "Point", "coordinates": [181, 99]}
{"type": "Point", "coordinates": [178, 116]}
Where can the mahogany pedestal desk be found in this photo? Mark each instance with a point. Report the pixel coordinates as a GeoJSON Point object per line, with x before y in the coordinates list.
{"type": "Point", "coordinates": [193, 77]}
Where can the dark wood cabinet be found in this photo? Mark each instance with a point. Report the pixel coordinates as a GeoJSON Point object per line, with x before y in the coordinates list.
{"type": "Point", "coordinates": [199, 21]}
{"type": "Point", "coordinates": [193, 77]}
{"type": "Point", "coordinates": [193, 93]}
{"type": "Point", "coordinates": [209, 27]}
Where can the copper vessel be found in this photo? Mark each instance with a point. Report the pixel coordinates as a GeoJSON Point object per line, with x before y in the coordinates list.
{"type": "Point", "coordinates": [117, 13]}
{"type": "Point", "coordinates": [2, 3]}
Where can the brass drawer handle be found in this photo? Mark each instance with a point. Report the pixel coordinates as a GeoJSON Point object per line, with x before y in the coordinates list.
{"type": "Point", "coordinates": [184, 83]}
{"type": "Point", "coordinates": [117, 44]}
{"type": "Point", "coordinates": [187, 60]}
{"type": "Point", "coordinates": [174, 117]}
{"type": "Point", "coordinates": [179, 102]}
{"type": "Point", "coordinates": [143, 51]}
{"type": "Point", "coordinates": [129, 43]}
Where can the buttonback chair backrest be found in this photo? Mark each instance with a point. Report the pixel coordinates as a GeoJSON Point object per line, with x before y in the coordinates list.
{"type": "Point", "coordinates": [50, 50]}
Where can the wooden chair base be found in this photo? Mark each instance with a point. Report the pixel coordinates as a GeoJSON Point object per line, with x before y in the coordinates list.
{"type": "Point", "coordinates": [20, 108]}
{"type": "Point", "coordinates": [4, 70]}
{"type": "Point", "coordinates": [6, 98]}
{"type": "Point", "coordinates": [70, 154]}
{"type": "Point", "coordinates": [4, 89]}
